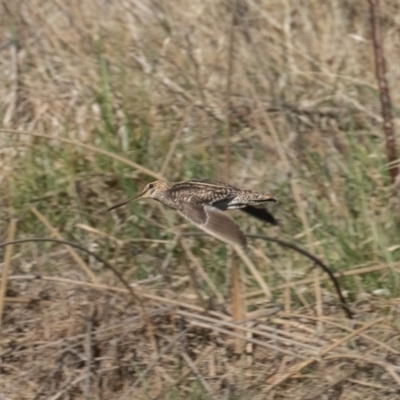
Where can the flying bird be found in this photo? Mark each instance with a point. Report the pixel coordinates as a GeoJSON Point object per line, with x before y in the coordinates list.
{"type": "Point", "coordinates": [203, 202]}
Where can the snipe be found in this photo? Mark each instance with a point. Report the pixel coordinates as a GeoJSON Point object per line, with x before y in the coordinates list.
{"type": "Point", "coordinates": [203, 203]}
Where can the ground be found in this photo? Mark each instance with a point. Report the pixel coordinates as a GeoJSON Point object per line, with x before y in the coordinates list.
{"type": "Point", "coordinates": [99, 98]}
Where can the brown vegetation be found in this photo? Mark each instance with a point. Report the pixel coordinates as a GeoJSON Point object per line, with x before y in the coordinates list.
{"type": "Point", "coordinates": [99, 97]}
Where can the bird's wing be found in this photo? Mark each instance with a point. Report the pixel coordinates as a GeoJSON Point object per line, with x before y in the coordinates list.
{"type": "Point", "coordinates": [214, 222]}
{"type": "Point", "coordinates": [260, 213]}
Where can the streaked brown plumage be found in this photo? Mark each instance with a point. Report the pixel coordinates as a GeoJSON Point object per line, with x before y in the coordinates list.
{"type": "Point", "coordinates": [203, 202]}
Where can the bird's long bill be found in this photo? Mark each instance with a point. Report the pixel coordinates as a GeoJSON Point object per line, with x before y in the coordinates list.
{"type": "Point", "coordinates": [125, 202]}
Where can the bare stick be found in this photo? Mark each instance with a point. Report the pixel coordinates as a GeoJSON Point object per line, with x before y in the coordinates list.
{"type": "Point", "coordinates": [305, 253]}
{"type": "Point", "coordinates": [314, 258]}
{"type": "Point", "coordinates": [238, 305]}
{"type": "Point", "coordinates": [384, 94]}
{"type": "Point", "coordinates": [6, 267]}
{"type": "Point", "coordinates": [256, 275]}
{"type": "Point", "coordinates": [94, 255]}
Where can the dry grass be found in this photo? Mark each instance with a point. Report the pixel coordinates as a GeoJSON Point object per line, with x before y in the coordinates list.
{"type": "Point", "coordinates": [98, 98]}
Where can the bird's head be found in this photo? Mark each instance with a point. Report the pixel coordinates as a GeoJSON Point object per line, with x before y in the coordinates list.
{"type": "Point", "coordinates": [154, 190]}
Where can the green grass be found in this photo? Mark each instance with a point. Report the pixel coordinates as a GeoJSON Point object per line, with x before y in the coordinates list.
{"type": "Point", "coordinates": [126, 87]}
{"type": "Point", "coordinates": [356, 229]}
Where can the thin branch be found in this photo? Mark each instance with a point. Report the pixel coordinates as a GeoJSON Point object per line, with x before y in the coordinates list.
{"type": "Point", "coordinates": [298, 249]}
{"type": "Point", "coordinates": [94, 255]}
{"type": "Point", "coordinates": [317, 261]}
{"type": "Point", "coordinates": [384, 94]}
{"type": "Point", "coordinates": [281, 242]}
{"type": "Point", "coordinates": [254, 271]}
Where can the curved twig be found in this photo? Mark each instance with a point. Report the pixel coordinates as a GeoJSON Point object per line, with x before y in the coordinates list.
{"type": "Point", "coordinates": [281, 242]}
{"type": "Point", "coordinates": [318, 261]}
{"type": "Point", "coordinates": [97, 257]}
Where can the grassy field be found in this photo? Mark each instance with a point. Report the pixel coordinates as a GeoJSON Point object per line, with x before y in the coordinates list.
{"type": "Point", "coordinates": [97, 99]}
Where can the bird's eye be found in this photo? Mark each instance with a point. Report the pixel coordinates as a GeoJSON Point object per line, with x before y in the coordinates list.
{"type": "Point", "coordinates": [151, 185]}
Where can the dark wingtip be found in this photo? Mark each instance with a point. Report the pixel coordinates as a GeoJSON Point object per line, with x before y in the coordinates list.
{"type": "Point", "coordinates": [261, 214]}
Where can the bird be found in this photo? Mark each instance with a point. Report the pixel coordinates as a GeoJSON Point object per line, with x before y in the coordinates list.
{"type": "Point", "coordinates": [203, 202]}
